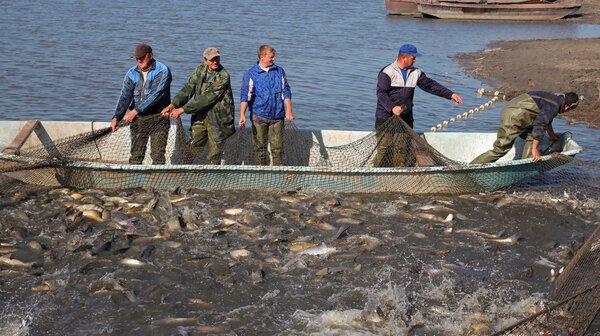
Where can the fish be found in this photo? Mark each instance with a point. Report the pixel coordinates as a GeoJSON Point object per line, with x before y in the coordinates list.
{"type": "Point", "coordinates": [15, 263]}
{"type": "Point", "coordinates": [76, 196]}
{"type": "Point", "coordinates": [507, 241]}
{"type": "Point", "coordinates": [479, 233]}
{"type": "Point", "coordinates": [240, 253]}
{"type": "Point", "coordinates": [200, 303]}
{"type": "Point", "coordinates": [349, 221]}
{"type": "Point", "coordinates": [289, 199]}
{"type": "Point", "coordinates": [321, 225]}
{"type": "Point", "coordinates": [299, 246]}
{"type": "Point", "coordinates": [176, 321]}
{"type": "Point", "coordinates": [430, 217]}
{"type": "Point", "coordinates": [233, 211]}
{"type": "Point", "coordinates": [115, 199]}
{"type": "Point", "coordinates": [130, 262]}
{"type": "Point", "coordinates": [318, 250]}
{"type": "Point", "coordinates": [93, 215]}
{"type": "Point", "coordinates": [546, 263]}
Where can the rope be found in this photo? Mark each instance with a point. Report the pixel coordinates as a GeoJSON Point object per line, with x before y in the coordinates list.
{"type": "Point", "coordinates": [471, 112]}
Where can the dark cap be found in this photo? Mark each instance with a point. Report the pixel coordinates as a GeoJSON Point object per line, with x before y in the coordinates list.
{"type": "Point", "coordinates": [409, 49]}
{"type": "Point", "coordinates": [571, 100]}
{"type": "Point", "coordinates": [141, 50]}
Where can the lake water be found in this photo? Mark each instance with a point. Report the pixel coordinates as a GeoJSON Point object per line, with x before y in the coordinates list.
{"type": "Point", "coordinates": [66, 61]}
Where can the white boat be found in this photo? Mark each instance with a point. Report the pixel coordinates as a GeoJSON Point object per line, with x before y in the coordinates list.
{"type": "Point", "coordinates": [111, 169]}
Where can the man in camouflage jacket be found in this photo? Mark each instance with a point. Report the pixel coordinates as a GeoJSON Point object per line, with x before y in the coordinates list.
{"type": "Point", "coordinates": [212, 108]}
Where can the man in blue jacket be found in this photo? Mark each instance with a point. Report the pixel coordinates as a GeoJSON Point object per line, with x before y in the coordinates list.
{"type": "Point", "coordinates": [146, 91]}
{"type": "Point", "coordinates": [266, 92]}
{"type": "Point", "coordinates": [528, 116]}
{"type": "Point", "coordinates": [396, 85]}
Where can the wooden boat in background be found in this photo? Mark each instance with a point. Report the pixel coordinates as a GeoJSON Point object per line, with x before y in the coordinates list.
{"type": "Point", "coordinates": [402, 7]}
{"type": "Point", "coordinates": [498, 9]}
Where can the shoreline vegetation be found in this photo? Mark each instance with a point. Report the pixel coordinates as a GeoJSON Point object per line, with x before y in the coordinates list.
{"type": "Point", "coordinates": [515, 67]}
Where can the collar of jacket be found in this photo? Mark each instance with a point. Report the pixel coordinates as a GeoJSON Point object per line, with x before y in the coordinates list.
{"type": "Point", "coordinates": [397, 68]}
{"type": "Point", "coordinates": [152, 66]}
{"type": "Point", "coordinates": [261, 69]}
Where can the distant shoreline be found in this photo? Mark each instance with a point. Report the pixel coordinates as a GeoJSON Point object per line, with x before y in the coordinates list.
{"type": "Point", "coordinates": [514, 67]}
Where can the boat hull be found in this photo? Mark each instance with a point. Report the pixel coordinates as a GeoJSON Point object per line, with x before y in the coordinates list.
{"type": "Point", "coordinates": [115, 173]}
{"type": "Point", "coordinates": [517, 11]}
{"type": "Point", "coordinates": [402, 7]}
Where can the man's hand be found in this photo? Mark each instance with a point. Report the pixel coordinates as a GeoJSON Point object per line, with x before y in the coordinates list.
{"type": "Point", "coordinates": [289, 115]}
{"type": "Point", "coordinates": [553, 137]}
{"type": "Point", "coordinates": [397, 110]}
{"type": "Point", "coordinates": [113, 125]}
{"type": "Point", "coordinates": [536, 155]}
{"type": "Point", "coordinates": [242, 121]}
{"type": "Point", "coordinates": [167, 110]}
{"type": "Point", "coordinates": [129, 116]}
{"type": "Point", "coordinates": [177, 112]}
{"type": "Point", "coordinates": [456, 98]}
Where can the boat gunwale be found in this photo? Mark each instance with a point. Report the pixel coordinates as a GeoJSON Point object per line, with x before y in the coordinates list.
{"type": "Point", "coordinates": [299, 169]}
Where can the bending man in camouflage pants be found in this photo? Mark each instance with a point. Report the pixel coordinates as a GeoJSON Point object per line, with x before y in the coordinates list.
{"type": "Point", "coordinates": [212, 108]}
{"type": "Point", "coordinates": [528, 116]}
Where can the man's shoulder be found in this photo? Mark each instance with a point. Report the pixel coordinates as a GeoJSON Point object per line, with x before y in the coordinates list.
{"type": "Point", "coordinates": [161, 66]}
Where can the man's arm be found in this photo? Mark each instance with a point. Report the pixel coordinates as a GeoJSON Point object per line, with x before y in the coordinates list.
{"type": "Point", "coordinates": [384, 85]}
{"type": "Point", "coordinates": [431, 86]}
{"type": "Point", "coordinates": [210, 96]}
{"type": "Point", "coordinates": [243, 107]}
{"type": "Point", "coordinates": [124, 101]}
{"type": "Point", "coordinates": [187, 91]}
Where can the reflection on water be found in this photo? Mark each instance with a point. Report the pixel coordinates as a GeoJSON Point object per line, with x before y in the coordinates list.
{"type": "Point", "coordinates": [140, 262]}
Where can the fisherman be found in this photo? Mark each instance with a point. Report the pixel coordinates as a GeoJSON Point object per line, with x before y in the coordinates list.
{"type": "Point", "coordinates": [146, 91]}
{"type": "Point", "coordinates": [212, 108]}
{"type": "Point", "coordinates": [528, 116]}
{"type": "Point", "coordinates": [266, 92]}
{"type": "Point", "coordinates": [395, 91]}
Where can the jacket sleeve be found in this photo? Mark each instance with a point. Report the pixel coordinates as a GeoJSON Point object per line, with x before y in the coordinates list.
{"type": "Point", "coordinates": [210, 96]}
{"type": "Point", "coordinates": [431, 86]}
{"type": "Point", "coordinates": [246, 90]}
{"type": "Point", "coordinates": [287, 92]}
{"type": "Point", "coordinates": [547, 113]}
{"type": "Point", "coordinates": [188, 90]}
{"type": "Point", "coordinates": [158, 92]}
{"type": "Point", "coordinates": [125, 98]}
{"type": "Point", "coordinates": [384, 85]}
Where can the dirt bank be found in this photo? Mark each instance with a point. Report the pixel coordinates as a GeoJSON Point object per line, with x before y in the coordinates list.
{"type": "Point", "coordinates": [588, 13]}
{"type": "Point", "coordinates": [514, 67]}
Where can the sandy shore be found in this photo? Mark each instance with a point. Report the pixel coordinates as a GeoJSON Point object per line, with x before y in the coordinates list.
{"type": "Point", "coordinates": [514, 67]}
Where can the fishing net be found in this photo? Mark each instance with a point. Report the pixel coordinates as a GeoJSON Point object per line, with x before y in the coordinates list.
{"type": "Point", "coordinates": [393, 158]}
{"type": "Point", "coordinates": [577, 292]}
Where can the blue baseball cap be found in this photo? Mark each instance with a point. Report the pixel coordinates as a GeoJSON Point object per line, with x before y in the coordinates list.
{"type": "Point", "coordinates": [409, 49]}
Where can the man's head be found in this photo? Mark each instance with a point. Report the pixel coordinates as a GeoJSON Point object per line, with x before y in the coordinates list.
{"type": "Point", "coordinates": [212, 58]}
{"type": "Point", "coordinates": [571, 100]}
{"type": "Point", "coordinates": [407, 56]}
{"type": "Point", "coordinates": [266, 56]}
{"type": "Point", "coordinates": [143, 56]}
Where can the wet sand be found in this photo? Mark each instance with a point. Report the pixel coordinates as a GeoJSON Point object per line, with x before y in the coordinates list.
{"type": "Point", "coordinates": [514, 67]}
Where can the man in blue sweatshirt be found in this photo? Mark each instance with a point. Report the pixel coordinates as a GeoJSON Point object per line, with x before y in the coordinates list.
{"type": "Point", "coordinates": [266, 93]}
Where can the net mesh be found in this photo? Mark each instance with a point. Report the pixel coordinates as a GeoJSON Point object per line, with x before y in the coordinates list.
{"type": "Point", "coordinates": [393, 158]}
{"type": "Point", "coordinates": [101, 158]}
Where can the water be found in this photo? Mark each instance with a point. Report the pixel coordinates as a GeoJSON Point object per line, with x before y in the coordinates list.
{"type": "Point", "coordinates": [66, 61]}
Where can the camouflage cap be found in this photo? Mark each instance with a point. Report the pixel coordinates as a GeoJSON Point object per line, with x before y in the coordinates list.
{"type": "Point", "coordinates": [211, 53]}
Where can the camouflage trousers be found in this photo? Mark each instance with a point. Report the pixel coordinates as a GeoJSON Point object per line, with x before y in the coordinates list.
{"type": "Point", "coordinates": [394, 150]}
{"type": "Point", "coordinates": [201, 133]}
{"type": "Point", "coordinates": [155, 128]}
{"type": "Point", "coordinates": [516, 120]}
{"type": "Point", "coordinates": [267, 132]}
{"type": "Point", "coordinates": [394, 144]}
